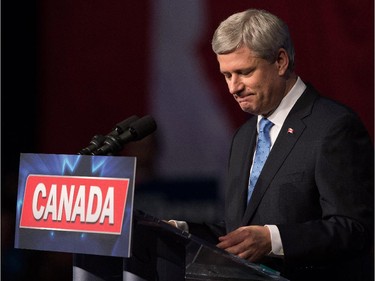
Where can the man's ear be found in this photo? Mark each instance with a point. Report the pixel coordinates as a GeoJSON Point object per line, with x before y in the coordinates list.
{"type": "Point", "coordinates": [282, 61]}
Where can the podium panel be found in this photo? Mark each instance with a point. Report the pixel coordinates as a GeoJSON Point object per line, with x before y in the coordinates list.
{"type": "Point", "coordinates": [161, 252]}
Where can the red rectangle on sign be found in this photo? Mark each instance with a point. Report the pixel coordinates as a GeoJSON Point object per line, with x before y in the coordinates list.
{"type": "Point", "coordinates": [71, 203]}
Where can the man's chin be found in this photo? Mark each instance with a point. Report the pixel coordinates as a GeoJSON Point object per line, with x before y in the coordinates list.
{"type": "Point", "coordinates": [248, 109]}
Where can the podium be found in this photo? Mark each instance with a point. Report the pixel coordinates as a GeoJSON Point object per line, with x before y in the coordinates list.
{"type": "Point", "coordinates": [161, 252]}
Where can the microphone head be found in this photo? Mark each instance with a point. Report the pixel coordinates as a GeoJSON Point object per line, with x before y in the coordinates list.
{"type": "Point", "coordinates": [143, 127]}
{"type": "Point", "coordinates": [124, 125]}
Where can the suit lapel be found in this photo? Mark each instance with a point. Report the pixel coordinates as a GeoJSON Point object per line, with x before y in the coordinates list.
{"type": "Point", "coordinates": [244, 156]}
{"type": "Point", "coordinates": [288, 136]}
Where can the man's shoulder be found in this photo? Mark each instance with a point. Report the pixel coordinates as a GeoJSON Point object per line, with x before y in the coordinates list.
{"type": "Point", "coordinates": [326, 105]}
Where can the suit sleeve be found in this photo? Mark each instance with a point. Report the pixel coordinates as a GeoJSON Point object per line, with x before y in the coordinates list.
{"type": "Point", "coordinates": [344, 179]}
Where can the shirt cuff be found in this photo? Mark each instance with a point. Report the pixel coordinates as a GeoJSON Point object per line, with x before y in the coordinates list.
{"type": "Point", "coordinates": [277, 246]}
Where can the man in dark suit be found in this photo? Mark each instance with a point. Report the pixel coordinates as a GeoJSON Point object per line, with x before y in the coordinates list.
{"type": "Point", "coordinates": [310, 213]}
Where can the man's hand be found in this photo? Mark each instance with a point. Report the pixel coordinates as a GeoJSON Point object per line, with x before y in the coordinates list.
{"type": "Point", "coordinates": [171, 222]}
{"type": "Point", "coordinates": [247, 242]}
{"type": "Point", "coordinates": [181, 225]}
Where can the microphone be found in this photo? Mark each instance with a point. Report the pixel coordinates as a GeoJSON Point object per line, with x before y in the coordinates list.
{"type": "Point", "coordinates": [98, 140]}
{"type": "Point", "coordinates": [136, 131]}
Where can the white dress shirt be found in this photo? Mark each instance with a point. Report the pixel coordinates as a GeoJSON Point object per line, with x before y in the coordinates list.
{"type": "Point", "coordinates": [277, 118]}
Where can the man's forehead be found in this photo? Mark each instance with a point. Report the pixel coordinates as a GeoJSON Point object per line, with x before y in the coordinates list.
{"type": "Point", "coordinates": [240, 58]}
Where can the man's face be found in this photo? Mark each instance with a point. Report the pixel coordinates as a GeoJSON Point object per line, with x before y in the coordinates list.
{"type": "Point", "coordinates": [257, 85]}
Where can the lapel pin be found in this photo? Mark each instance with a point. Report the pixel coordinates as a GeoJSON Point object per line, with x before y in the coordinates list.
{"type": "Point", "coordinates": [290, 131]}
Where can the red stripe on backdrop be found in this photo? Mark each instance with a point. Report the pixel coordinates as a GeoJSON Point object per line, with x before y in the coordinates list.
{"type": "Point", "coordinates": [93, 69]}
{"type": "Point", "coordinates": [334, 42]}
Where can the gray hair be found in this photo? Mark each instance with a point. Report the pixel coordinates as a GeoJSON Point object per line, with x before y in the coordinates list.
{"type": "Point", "coordinates": [260, 31]}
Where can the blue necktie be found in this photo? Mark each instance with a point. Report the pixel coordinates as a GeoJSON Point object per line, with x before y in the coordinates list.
{"type": "Point", "coordinates": [261, 153]}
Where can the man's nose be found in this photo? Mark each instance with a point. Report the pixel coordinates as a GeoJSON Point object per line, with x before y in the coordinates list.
{"type": "Point", "coordinates": [235, 85]}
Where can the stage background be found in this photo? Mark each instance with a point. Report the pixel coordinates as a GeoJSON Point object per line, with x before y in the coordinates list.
{"type": "Point", "coordinates": [73, 69]}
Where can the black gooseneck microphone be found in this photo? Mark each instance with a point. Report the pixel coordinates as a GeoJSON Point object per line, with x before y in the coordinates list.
{"type": "Point", "coordinates": [98, 140]}
{"type": "Point", "coordinates": [137, 130]}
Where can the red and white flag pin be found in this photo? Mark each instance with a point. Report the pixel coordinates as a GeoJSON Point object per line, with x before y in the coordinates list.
{"type": "Point", "coordinates": [290, 131]}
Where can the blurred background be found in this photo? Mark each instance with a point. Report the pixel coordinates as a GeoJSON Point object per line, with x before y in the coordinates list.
{"type": "Point", "coordinates": [73, 69]}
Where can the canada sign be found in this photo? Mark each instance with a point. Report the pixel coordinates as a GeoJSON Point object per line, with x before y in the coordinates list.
{"type": "Point", "coordinates": [75, 203]}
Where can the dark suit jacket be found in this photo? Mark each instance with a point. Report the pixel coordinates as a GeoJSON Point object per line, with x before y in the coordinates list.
{"type": "Point", "coordinates": [316, 186]}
